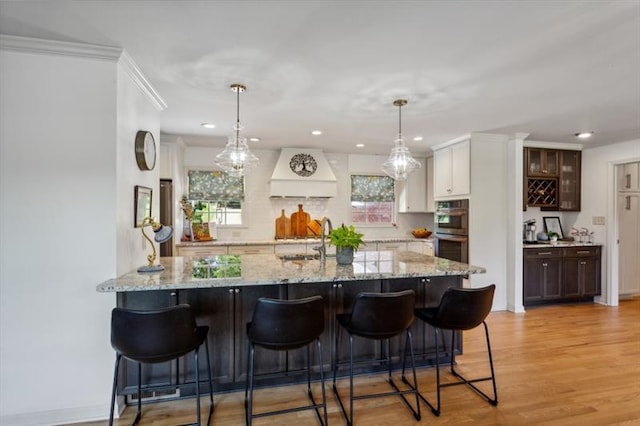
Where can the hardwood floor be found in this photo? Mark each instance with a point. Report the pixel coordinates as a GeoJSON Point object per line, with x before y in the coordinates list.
{"type": "Point", "coordinates": [555, 365]}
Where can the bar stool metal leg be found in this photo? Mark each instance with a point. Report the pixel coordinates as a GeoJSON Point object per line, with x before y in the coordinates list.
{"type": "Point", "coordinates": [115, 388]}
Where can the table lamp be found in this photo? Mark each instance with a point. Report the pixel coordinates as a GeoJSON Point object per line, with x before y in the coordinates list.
{"type": "Point", "coordinates": [162, 234]}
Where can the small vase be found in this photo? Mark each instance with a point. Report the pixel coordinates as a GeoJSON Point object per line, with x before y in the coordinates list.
{"type": "Point", "coordinates": [344, 255]}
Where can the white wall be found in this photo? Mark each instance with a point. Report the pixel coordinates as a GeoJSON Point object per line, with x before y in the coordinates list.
{"type": "Point", "coordinates": [598, 199]}
{"type": "Point", "coordinates": [261, 211]}
{"type": "Point", "coordinates": [64, 147]}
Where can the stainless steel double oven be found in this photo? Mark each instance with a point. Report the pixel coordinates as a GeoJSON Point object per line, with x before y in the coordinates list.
{"type": "Point", "coordinates": [452, 230]}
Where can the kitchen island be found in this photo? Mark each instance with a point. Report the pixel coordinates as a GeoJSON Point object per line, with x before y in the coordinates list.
{"type": "Point", "coordinates": [223, 291]}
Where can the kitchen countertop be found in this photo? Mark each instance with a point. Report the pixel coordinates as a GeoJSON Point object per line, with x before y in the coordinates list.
{"type": "Point", "coordinates": [215, 243]}
{"type": "Point", "coordinates": [543, 244]}
{"type": "Point", "coordinates": [266, 269]}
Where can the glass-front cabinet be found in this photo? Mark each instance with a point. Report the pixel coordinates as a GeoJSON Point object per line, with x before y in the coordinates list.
{"type": "Point", "coordinates": [569, 181]}
{"type": "Point", "coordinates": [552, 179]}
{"type": "Point", "coordinates": [542, 162]}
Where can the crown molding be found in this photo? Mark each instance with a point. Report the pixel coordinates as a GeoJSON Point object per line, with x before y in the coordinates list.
{"type": "Point", "coordinates": [131, 68]}
{"type": "Point", "coordinates": [63, 48]}
{"type": "Point", "coordinates": [82, 50]}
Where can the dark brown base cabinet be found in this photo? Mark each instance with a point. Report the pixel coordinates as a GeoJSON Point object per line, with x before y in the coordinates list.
{"type": "Point", "coordinates": [228, 310]}
{"type": "Point", "coordinates": [561, 274]}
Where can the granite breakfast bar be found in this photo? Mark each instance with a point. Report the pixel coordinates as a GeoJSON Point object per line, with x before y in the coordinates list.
{"type": "Point", "coordinates": [224, 289]}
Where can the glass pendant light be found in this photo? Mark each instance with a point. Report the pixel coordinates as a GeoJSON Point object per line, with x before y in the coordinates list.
{"type": "Point", "coordinates": [400, 162]}
{"type": "Point", "coordinates": [237, 159]}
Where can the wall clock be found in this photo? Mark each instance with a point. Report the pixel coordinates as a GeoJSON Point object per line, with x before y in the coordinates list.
{"type": "Point", "coordinates": [145, 150]}
{"type": "Point", "coordinates": [303, 165]}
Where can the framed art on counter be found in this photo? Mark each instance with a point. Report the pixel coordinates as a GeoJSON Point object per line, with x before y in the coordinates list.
{"type": "Point", "coordinates": [552, 224]}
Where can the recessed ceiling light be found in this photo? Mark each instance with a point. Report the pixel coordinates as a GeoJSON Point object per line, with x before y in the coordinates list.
{"type": "Point", "coordinates": [254, 139]}
{"type": "Point", "coordinates": [418, 138]}
{"type": "Point", "coordinates": [208, 125]}
{"type": "Point", "coordinates": [359, 145]}
{"type": "Point", "coordinates": [584, 135]}
{"type": "Point", "coordinates": [316, 132]}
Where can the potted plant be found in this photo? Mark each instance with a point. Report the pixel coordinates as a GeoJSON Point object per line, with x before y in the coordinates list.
{"type": "Point", "coordinates": [347, 240]}
{"type": "Point", "coordinates": [553, 236]}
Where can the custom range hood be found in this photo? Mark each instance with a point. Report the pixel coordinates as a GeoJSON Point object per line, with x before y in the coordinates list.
{"type": "Point", "coordinates": [302, 173]}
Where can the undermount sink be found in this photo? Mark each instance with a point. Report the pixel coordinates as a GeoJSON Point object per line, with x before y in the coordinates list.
{"type": "Point", "coordinates": [290, 257]}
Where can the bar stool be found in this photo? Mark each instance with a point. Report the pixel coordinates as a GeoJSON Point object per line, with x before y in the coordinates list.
{"type": "Point", "coordinates": [284, 325]}
{"type": "Point", "coordinates": [378, 316]}
{"type": "Point", "coordinates": [460, 309]}
{"type": "Point", "coordinates": [149, 337]}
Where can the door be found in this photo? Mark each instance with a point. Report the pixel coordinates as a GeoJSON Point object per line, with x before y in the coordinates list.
{"type": "Point", "coordinates": [628, 243]}
{"type": "Point", "coordinates": [166, 213]}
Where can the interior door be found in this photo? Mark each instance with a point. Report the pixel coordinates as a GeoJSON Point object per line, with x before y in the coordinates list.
{"type": "Point", "coordinates": [628, 243]}
{"type": "Point", "coordinates": [166, 213]}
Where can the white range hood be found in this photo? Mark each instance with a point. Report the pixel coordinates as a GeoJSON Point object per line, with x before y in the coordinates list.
{"type": "Point", "coordinates": [303, 173]}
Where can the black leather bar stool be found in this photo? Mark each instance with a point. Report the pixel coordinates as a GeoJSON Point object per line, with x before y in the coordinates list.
{"type": "Point", "coordinates": [284, 325]}
{"type": "Point", "coordinates": [378, 316]}
{"type": "Point", "coordinates": [149, 337]}
{"type": "Point", "coordinates": [460, 309]}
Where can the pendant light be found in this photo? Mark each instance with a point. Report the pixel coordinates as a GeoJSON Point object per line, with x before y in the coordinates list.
{"type": "Point", "coordinates": [400, 162]}
{"type": "Point", "coordinates": [237, 159]}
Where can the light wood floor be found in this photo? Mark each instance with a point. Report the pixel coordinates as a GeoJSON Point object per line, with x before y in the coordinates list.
{"type": "Point", "coordinates": [556, 365]}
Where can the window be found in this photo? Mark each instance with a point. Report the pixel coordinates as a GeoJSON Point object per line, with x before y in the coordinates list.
{"type": "Point", "coordinates": [372, 200]}
{"type": "Point", "coordinates": [216, 197]}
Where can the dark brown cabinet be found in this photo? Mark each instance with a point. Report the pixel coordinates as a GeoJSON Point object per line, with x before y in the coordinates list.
{"type": "Point", "coordinates": [542, 162]}
{"type": "Point", "coordinates": [338, 299]}
{"type": "Point", "coordinates": [581, 271]}
{"type": "Point", "coordinates": [223, 309]}
{"type": "Point", "coordinates": [227, 310]}
{"type": "Point", "coordinates": [428, 291]}
{"type": "Point", "coordinates": [164, 373]}
{"type": "Point", "coordinates": [542, 275]}
{"type": "Point", "coordinates": [552, 179]}
{"type": "Point", "coordinates": [553, 274]}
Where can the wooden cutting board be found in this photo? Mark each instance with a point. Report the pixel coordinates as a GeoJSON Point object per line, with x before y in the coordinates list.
{"type": "Point", "coordinates": [299, 221]}
{"type": "Point", "coordinates": [283, 226]}
{"type": "Point", "coordinates": [314, 228]}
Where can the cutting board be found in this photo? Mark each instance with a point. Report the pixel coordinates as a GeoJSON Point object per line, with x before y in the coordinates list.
{"type": "Point", "coordinates": [314, 228]}
{"type": "Point", "coordinates": [283, 226]}
{"type": "Point", "coordinates": [299, 221]}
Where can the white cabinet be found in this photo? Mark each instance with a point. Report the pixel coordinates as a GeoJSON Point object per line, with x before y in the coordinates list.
{"type": "Point", "coordinates": [392, 246]}
{"type": "Point", "coordinates": [252, 249]}
{"type": "Point", "coordinates": [628, 177]}
{"type": "Point", "coordinates": [422, 247]}
{"type": "Point", "coordinates": [201, 251]}
{"type": "Point", "coordinates": [431, 205]}
{"type": "Point", "coordinates": [416, 194]}
{"type": "Point", "coordinates": [293, 248]}
{"type": "Point", "coordinates": [413, 192]}
{"type": "Point", "coordinates": [452, 170]}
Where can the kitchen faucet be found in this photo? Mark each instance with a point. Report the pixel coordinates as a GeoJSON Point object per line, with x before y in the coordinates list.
{"type": "Point", "coordinates": [322, 248]}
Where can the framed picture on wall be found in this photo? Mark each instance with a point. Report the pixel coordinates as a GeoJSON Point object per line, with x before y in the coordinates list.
{"type": "Point", "coordinates": [552, 224]}
{"type": "Point", "coordinates": [141, 205]}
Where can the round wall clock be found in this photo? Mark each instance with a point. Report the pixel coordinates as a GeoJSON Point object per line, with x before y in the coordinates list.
{"type": "Point", "coordinates": [303, 165]}
{"type": "Point", "coordinates": [145, 150]}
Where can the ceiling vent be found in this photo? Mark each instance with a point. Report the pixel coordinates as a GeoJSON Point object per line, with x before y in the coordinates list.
{"type": "Point", "coordinates": [303, 173]}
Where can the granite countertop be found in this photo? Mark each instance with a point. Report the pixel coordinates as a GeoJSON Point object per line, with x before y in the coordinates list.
{"type": "Point", "coordinates": [266, 269]}
{"type": "Point", "coordinates": [560, 244]}
{"type": "Point", "coordinates": [215, 243]}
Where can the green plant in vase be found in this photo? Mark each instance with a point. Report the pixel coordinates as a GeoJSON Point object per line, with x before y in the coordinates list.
{"type": "Point", "coordinates": [553, 236]}
{"type": "Point", "coordinates": [347, 240]}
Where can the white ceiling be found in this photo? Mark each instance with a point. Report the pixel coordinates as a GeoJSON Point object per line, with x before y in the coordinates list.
{"type": "Point", "coordinates": [548, 68]}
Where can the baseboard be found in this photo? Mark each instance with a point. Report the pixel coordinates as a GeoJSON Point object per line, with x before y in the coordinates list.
{"type": "Point", "coordinates": [57, 417]}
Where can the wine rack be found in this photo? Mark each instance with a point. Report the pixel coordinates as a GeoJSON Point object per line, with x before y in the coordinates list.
{"type": "Point", "coordinates": [542, 192]}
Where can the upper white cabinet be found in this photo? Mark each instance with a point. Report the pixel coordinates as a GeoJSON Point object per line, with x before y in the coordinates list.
{"type": "Point", "coordinates": [451, 170]}
{"type": "Point", "coordinates": [416, 194]}
{"type": "Point", "coordinates": [629, 177]}
{"type": "Point", "coordinates": [413, 191]}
